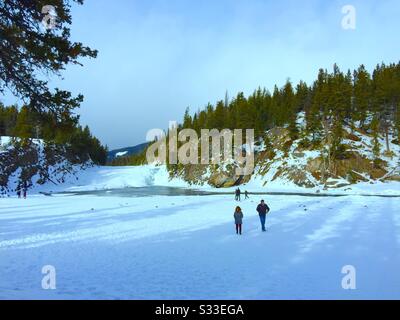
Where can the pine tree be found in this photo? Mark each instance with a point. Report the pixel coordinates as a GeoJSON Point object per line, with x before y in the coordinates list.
{"type": "Point", "coordinates": [362, 95]}
{"type": "Point", "coordinates": [187, 119]}
{"type": "Point", "coordinates": [277, 118]}
{"type": "Point", "coordinates": [260, 102]}
{"type": "Point", "coordinates": [243, 113]}
{"type": "Point", "coordinates": [313, 113]}
{"type": "Point", "coordinates": [384, 98]}
{"type": "Point", "coordinates": [375, 140]}
{"type": "Point", "coordinates": [2, 120]}
{"type": "Point", "coordinates": [10, 120]}
{"type": "Point", "coordinates": [26, 52]}
{"type": "Point", "coordinates": [219, 118]}
{"type": "Point", "coordinates": [290, 109]}
{"type": "Point", "coordinates": [397, 123]}
{"type": "Point", "coordinates": [210, 119]}
{"type": "Point", "coordinates": [303, 97]}
{"type": "Point", "coordinates": [24, 126]}
{"type": "Point", "coordinates": [226, 101]}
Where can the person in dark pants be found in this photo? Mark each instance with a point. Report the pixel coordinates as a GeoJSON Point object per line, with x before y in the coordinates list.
{"type": "Point", "coordinates": [236, 195]}
{"type": "Point", "coordinates": [246, 195]}
{"type": "Point", "coordinates": [239, 193]}
{"type": "Point", "coordinates": [238, 215]}
{"type": "Point", "coordinates": [19, 191]}
{"type": "Point", "coordinates": [262, 210]}
{"type": "Point", "coordinates": [25, 189]}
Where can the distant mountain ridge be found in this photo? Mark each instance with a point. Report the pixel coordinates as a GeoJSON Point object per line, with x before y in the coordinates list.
{"type": "Point", "coordinates": [125, 152]}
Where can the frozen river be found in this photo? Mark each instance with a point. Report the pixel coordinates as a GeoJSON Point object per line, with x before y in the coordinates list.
{"type": "Point", "coordinates": [179, 245]}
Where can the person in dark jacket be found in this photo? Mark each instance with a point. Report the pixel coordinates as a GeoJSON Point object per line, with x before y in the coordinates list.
{"type": "Point", "coordinates": [19, 191]}
{"type": "Point", "coordinates": [239, 193]}
{"type": "Point", "coordinates": [25, 189]}
{"type": "Point", "coordinates": [246, 195]}
{"type": "Point", "coordinates": [238, 215]}
{"type": "Point", "coordinates": [263, 210]}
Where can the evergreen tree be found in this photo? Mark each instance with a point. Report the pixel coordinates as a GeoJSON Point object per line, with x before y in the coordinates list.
{"type": "Point", "coordinates": [26, 52]}
{"type": "Point", "coordinates": [187, 119]}
{"type": "Point", "coordinates": [2, 120]}
{"type": "Point", "coordinates": [362, 94]}
{"type": "Point", "coordinates": [375, 140]}
{"type": "Point", "coordinates": [244, 118]}
{"type": "Point", "coordinates": [313, 113]}
{"type": "Point", "coordinates": [303, 97]}
{"type": "Point", "coordinates": [24, 127]}
{"type": "Point", "coordinates": [219, 118]}
{"type": "Point", "coordinates": [290, 109]}
{"type": "Point", "coordinates": [55, 132]}
{"type": "Point", "coordinates": [335, 101]}
{"type": "Point", "coordinates": [397, 123]}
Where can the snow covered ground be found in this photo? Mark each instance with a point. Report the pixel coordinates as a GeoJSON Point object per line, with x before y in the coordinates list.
{"type": "Point", "coordinates": [179, 247]}
{"type": "Point", "coordinates": [109, 246]}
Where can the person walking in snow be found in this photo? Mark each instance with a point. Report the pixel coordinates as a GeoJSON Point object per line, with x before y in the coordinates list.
{"type": "Point", "coordinates": [19, 191]}
{"type": "Point", "coordinates": [246, 195]}
{"type": "Point", "coordinates": [25, 189]}
{"type": "Point", "coordinates": [238, 194]}
{"type": "Point", "coordinates": [238, 215]}
{"type": "Point", "coordinates": [263, 210]}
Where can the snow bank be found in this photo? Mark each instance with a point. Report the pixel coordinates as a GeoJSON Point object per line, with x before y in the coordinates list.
{"type": "Point", "coordinates": [103, 178]}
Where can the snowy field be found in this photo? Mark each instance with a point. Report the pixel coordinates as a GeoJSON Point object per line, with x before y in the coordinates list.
{"type": "Point", "coordinates": [178, 247]}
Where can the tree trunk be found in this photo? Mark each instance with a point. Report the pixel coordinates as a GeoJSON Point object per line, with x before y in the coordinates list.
{"type": "Point", "coordinates": [387, 138]}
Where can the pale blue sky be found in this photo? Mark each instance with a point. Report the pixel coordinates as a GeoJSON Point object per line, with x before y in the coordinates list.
{"type": "Point", "coordinates": [158, 57]}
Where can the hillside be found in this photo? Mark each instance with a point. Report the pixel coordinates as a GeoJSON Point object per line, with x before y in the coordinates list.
{"type": "Point", "coordinates": [36, 163]}
{"type": "Point", "coordinates": [341, 130]}
{"type": "Point", "coordinates": [126, 152]}
{"type": "Point", "coordinates": [38, 148]}
{"type": "Point", "coordinates": [283, 161]}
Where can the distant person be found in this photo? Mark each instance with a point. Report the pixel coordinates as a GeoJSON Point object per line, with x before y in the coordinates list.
{"type": "Point", "coordinates": [238, 215]}
{"type": "Point", "coordinates": [238, 194]}
{"type": "Point", "coordinates": [25, 189]}
{"type": "Point", "coordinates": [19, 191]}
{"type": "Point", "coordinates": [246, 195]}
{"type": "Point", "coordinates": [262, 210]}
